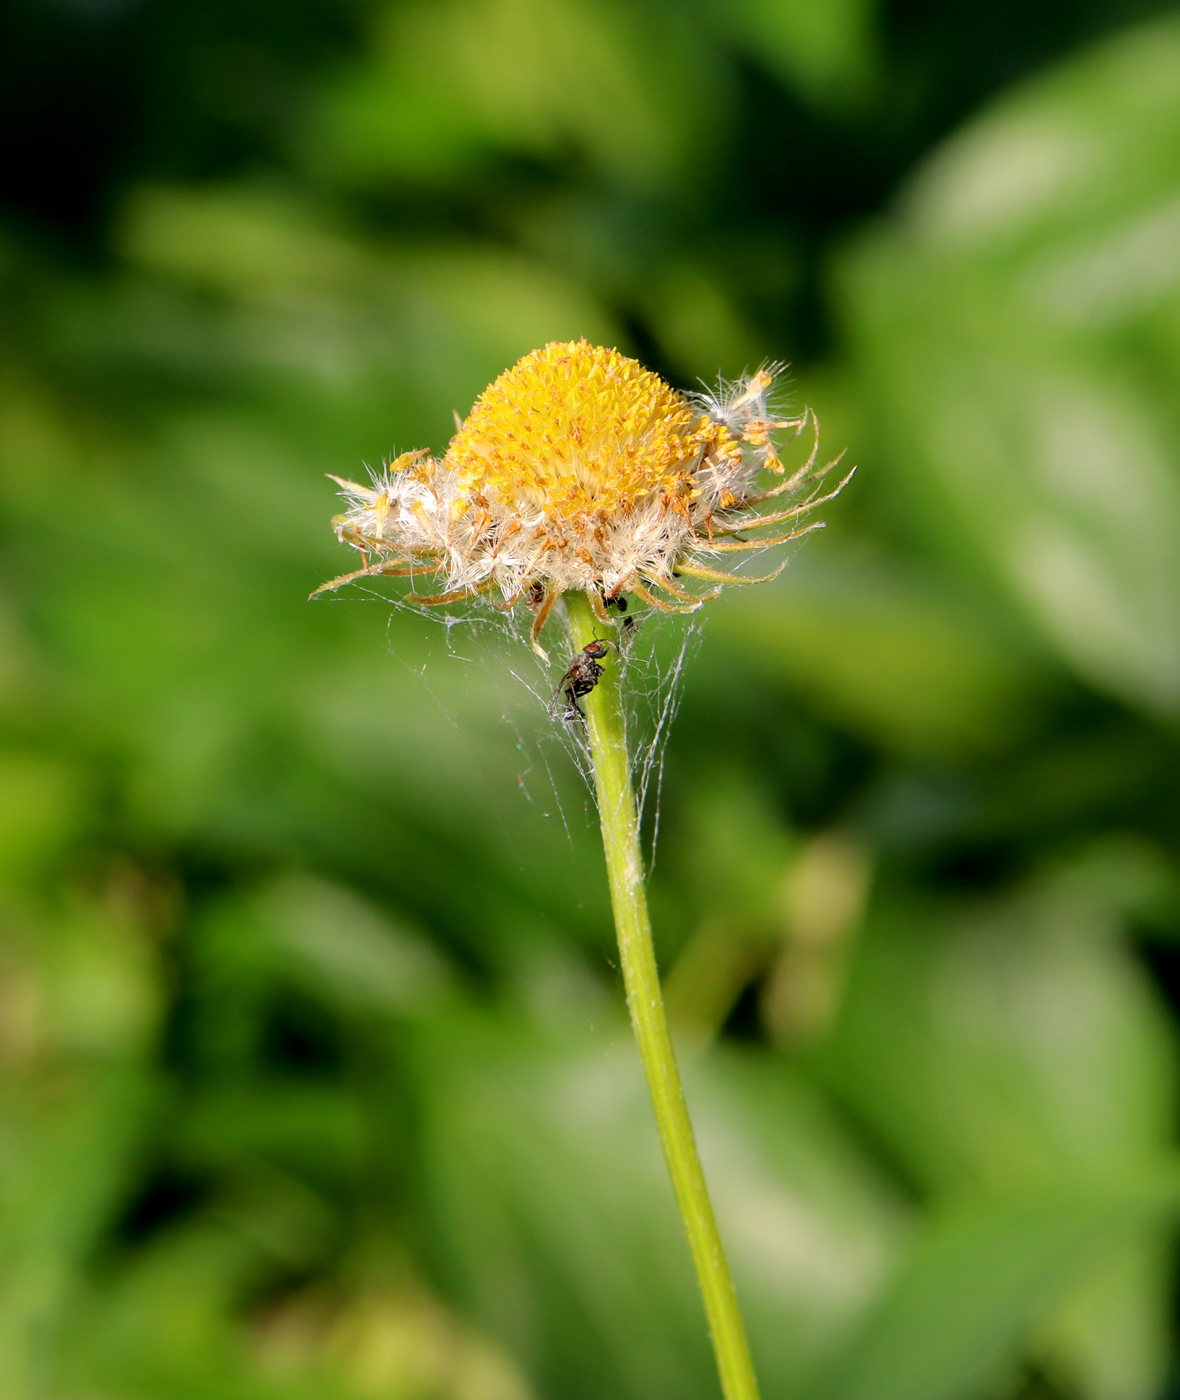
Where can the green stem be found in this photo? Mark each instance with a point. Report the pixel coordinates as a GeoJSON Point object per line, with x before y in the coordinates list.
{"type": "Point", "coordinates": [624, 864]}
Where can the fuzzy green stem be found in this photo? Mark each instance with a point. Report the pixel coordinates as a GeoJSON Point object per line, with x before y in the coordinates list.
{"type": "Point", "coordinates": [624, 864]}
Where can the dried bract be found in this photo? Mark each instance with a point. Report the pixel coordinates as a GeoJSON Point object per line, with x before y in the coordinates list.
{"type": "Point", "coordinates": [580, 469]}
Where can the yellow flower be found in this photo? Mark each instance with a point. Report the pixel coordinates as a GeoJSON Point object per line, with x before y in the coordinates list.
{"type": "Point", "coordinates": [580, 469]}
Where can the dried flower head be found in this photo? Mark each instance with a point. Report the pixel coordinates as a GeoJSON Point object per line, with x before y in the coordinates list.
{"type": "Point", "coordinates": [580, 469]}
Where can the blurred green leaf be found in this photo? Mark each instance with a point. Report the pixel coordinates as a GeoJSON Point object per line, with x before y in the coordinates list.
{"type": "Point", "coordinates": [954, 1322]}
{"type": "Point", "coordinates": [551, 1199]}
{"type": "Point", "coordinates": [998, 1045]}
{"type": "Point", "coordinates": [450, 83]}
{"type": "Point", "coordinates": [42, 808]}
{"type": "Point", "coordinates": [81, 998]}
{"type": "Point", "coordinates": [906, 664]}
{"type": "Point", "coordinates": [1012, 325]}
{"type": "Point", "coordinates": [823, 51]}
{"type": "Point", "coordinates": [1018, 1046]}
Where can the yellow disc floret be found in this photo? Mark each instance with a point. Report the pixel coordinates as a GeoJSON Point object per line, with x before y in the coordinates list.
{"type": "Point", "coordinates": [574, 430]}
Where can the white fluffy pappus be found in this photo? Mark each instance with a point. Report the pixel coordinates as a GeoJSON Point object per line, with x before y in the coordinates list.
{"type": "Point", "coordinates": [579, 469]}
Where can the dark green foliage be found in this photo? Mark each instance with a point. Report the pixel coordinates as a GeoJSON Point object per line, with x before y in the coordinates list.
{"type": "Point", "coordinates": [314, 1075]}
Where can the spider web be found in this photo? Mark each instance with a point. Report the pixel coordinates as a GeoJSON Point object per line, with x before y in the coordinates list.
{"type": "Point", "coordinates": [654, 651]}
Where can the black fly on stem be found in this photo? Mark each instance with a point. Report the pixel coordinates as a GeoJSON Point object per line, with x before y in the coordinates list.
{"type": "Point", "coordinates": [581, 678]}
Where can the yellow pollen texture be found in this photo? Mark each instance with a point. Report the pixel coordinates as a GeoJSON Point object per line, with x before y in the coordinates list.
{"type": "Point", "coordinates": [574, 430]}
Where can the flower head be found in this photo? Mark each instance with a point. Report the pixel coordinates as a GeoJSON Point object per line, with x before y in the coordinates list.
{"type": "Point", "coordinates": [580, 469]}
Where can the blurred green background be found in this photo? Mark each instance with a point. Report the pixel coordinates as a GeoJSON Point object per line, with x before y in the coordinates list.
{"type": "Point", "coordinates": [315, 1079]}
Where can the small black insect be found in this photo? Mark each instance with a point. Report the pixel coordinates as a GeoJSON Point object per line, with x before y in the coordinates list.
{"type": "Point", "coordinates": [619, 603]}
{"type": "Point", "coordinates": [581, 678]}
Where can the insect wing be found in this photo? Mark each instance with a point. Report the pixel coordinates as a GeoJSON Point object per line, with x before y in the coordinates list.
{"type": "Point", "coordinates": [562, 690]}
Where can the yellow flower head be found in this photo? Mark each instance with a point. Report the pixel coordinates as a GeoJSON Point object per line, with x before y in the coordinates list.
{"type": "Point", "coordinates": [578, 468]}
{"type": "Point", "coordinates": [577, 431]}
